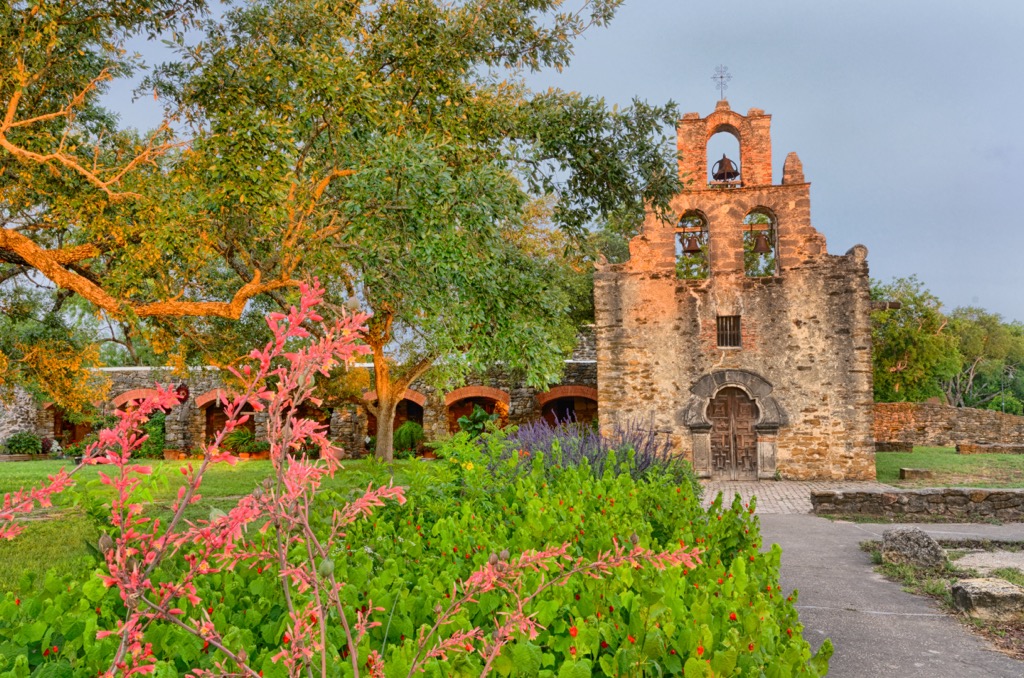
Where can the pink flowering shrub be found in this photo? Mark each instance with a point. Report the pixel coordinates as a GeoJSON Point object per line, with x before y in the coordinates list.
{"type": "Point", "coordinates": [288, 556]}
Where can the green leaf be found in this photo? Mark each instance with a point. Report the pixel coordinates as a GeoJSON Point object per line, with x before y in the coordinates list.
{"type": "Point", "coordinates": [572, 668]}
{"type": "Point", "coordinates": [527, 657]}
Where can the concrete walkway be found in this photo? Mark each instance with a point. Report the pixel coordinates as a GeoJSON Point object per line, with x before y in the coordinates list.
{"type": "Point", "coordinates": [876, 627]}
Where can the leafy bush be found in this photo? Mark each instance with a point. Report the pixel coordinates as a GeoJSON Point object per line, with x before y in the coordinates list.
{"type": "Point", "coordinates": [244, 441]}
{"type": "Point", "coordinates": [156, 429]}
{"type": "Point", "coordinates": [475, 423]}
{"type": "Point", "coordinates": [408, 436]}
{"type": "Point", "coordinates": [23, 443]}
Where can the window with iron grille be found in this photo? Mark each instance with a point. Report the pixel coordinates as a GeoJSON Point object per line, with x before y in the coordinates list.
{"type": "Point", "coordinates": [728, 331]}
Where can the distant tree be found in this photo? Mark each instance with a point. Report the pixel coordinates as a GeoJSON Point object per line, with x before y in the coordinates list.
{"type": "Point", "coordinates": [991, 352]}
{"type": "Point", "coordinates": [914, 350]}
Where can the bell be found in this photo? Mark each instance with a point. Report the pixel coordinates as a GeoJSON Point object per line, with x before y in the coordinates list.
{"type": "Point", "coordinates": [692, 246]}
{"type": "Point", "coordinates": [724, 170]}
{"type": "Point", "coordinates": [761, 245]}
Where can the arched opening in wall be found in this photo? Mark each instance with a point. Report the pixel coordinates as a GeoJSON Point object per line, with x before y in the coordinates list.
{"type": "Point", "coordinates": [464, 407]}
{"type": "Point", "coordinates": [215, 418]}
{"type": "Point", "coordinates": [692, 245]}
{"type": "Point", "coordinates": [760, 244]}
{"type": "Point", "coordinates": [406, 410]}
{"type": "Point", "coordinates": [569, 409]}
{"type": "Point", "coordinates": [724, 161]}
{"type": "Point", "coordinates": [67, 430]}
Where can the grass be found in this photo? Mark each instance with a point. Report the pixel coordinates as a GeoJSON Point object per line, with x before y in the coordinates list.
{"type": "Point", "coordinates": [1010, 574]}
{"type": "Point", "coordinates": [60, 538]}
{"type": "Point", "coordinates": [937, 583]}
{"type": "Point", "coordinates": [950, 469]}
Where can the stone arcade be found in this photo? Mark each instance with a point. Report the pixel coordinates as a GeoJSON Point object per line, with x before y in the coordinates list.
{"type": "Point", "coordinates": [732, 329]}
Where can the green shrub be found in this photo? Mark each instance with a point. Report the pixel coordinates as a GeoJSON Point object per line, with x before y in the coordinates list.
{"type": "Point", "coordinates": [475, 423]}
{"type": "Point", "coordinates": [24, 443]}
{"type": "Point", "coordinates": [408, 436]}
{"type": "Point", "coordinates": [156, 429]}
{"type": "Point", "coordinates": [244, 441]}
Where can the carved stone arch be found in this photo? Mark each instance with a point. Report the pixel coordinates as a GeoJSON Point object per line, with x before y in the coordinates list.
{"type": "Point", "coordinates": [771, 416]}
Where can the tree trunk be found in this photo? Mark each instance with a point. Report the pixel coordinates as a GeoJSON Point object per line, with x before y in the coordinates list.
{"type": "Point", "coordinates": [386, 406]}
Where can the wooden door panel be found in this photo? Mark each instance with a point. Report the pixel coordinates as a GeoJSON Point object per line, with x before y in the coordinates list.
{"type": "Point", "coordinates": [733, 439]}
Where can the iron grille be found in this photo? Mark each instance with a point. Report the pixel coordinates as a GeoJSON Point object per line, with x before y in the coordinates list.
{"type": "Point", "coordinates": [728, 331]}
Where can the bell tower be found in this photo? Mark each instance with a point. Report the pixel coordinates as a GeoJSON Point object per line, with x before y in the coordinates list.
{"type": "Point", "coordinates": [731, 328]}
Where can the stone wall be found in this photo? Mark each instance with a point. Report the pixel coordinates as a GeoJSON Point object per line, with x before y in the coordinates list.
{"type": "Point", "coordinates": [971, 448]}
{"type": "Point", "coordinates": [935, 425]}
{"type": "Point", "coordinates": [806, 341]}
{"type": "Point", "coordinates": [961, 503]}
{"type": "Point", "coordinates": [18, 415]}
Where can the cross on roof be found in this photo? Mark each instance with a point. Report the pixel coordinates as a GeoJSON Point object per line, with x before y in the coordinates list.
{"type": "Point", "coordinates": [722, 77]}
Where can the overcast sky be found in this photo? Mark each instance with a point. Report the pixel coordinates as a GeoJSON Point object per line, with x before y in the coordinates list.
{"type": "Point", "coordinates": [908, 116]}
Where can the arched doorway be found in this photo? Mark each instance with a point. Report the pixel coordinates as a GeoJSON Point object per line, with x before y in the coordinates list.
{"type": "Point", "coordinates": [569, 410]}
{"type": "Point", "coordinates": [733, 414]}
{"type": "Point", "coordinates": [65, 431]}
{"type": "Point", "coordinates": [406, 410]}
{"type": "Point", "coordinates": [464, 408]}
{"type": "Point", "coordinates": [568, 403]}
{"type": "Point", "coordinates": [461, 401]}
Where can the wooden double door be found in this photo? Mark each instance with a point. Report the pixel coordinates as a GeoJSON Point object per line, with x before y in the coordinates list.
{"type": "Point", "coordinates": [733, 439]}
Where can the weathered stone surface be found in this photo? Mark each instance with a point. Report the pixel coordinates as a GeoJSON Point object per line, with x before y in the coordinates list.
{"type": "Point", "coordinates": [805, 347]}
{"type": "Point", "coordinates": [933, 424]}
{"type": "Point", "coordinates": [989, 598]}
{"type": "Point", "coordinates": [958, 503]}
{"type": "Point", "coordinates": [18, 415]}
{"type": "Point", "coordinates": [915, 474]}
{"type": "Point", "coordinates": [909, 545]}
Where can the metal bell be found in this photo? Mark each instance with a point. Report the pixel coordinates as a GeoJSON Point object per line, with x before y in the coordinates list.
{"type": "Point", "coordinates": [761, 245]}
{"type": "Point", "coordinates": [691, 246]}
{"type": "Point", "coordinates": [724, 170]}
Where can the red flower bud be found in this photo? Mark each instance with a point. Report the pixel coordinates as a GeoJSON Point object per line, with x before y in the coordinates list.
{"type": "Point", "coordinates": [631, 639]}
{"type": "Point", "coordinates": [573, 631]}
{"type": "Point", "coordinates": [700, 650]}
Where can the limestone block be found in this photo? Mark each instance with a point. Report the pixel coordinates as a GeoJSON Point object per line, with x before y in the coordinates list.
{"type": "Point", "coordinates": [911, 546]}
{"type": "Point", "coordinates": [989, 598]}
{"type": "Point", "coordinates": [915, 474]}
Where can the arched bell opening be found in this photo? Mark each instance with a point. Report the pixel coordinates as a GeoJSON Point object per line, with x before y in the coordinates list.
{"type": "Point", "coordinates": [724, 161]}
{"type": "Point", "coordinates": [692, 247]}
{"type": "Point", "coordinates": [760, 244]}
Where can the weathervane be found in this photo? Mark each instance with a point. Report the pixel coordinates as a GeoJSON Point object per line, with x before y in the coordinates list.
{"type": "Point", "coordinates": [722, 77]}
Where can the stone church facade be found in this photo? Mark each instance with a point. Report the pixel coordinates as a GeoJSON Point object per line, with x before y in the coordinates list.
{"type": "Point", "coordinates": [732, 329]}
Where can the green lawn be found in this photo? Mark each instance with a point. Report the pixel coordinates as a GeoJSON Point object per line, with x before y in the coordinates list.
{"type": "Point", "coordinates": [58, 538]}
{"type": "Point", "coordinates": [951, 469]}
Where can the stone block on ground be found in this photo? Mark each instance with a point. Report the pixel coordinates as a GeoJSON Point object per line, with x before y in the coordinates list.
{"type": "Point", "coordinates": [909, 545]}
{"type": "Point", "coordinates": [915, 474]}
{"type": "Point", "coordinates": [989, 598]}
